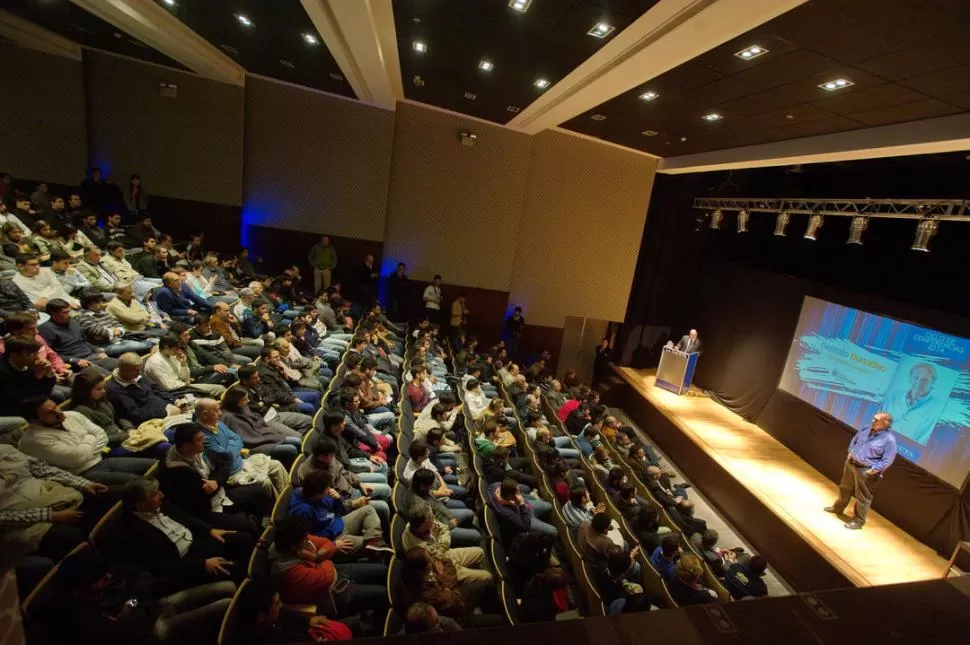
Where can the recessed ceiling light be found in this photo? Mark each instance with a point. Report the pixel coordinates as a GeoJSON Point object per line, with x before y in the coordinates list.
{"type": "Point", "coordinates": [418, 81]}
{"type": "Point", "coordinates": [513, 109]}
{"type": "Point", "coordinates": [170, 3]}
{"type": "Point", "coordinates": [682, 139]}
{"type": "Point", "coordinates": [598, 117]}
{"type": "Point", "coordinates": [486, 65]}
{"type": "Point", "coordinates": [286, 63]}
{"type": "Point", "coordinates": [600, 30]}
{"type": "Point", "coordinates": [713, 116]}
{"type": "Point", "coordinates": [470, 96]}
{"type": "Point", "coordinates": [244, 20]}
{"type": "Point", "coordinates": [752, 52]}
{"type": "Point", "coordinates": [541, 83]}
{"type": "Point", "coordinates": [520, 5]}
{"type": "Point", "coordinates": [311, 39]}
{"type": "Point", "coordinates": [649, 96]}
{"type": "Point", "coordinates": [420, 46]}
{"type": "Point", "coordinates": [836, 84]}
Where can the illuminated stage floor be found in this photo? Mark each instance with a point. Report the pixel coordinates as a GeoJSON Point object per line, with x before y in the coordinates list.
{"type": "Point", "coordinates": [790, 488]}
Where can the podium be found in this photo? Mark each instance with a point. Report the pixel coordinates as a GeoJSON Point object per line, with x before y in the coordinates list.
{"type": "Point", "coordinates": [676, 370]}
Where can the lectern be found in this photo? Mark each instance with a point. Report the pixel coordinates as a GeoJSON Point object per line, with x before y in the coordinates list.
{"type": "Point", "coordinates": [676, 370]}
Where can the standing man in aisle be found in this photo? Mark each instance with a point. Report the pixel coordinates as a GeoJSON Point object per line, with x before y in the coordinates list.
{"type": "Point", "coordinates": [323, 259]}
{"type": "Point", "coordinates": [432, 300]}
{"type": "Point", "coordinates": [871, 452]}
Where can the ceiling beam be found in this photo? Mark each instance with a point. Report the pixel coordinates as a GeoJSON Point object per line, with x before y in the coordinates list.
{"type": "Point", "coordinates": [27, 34]}
{"type": "Point", "coordinates": [362, 39]}
{"type": "Point", "coordinates": [944, 134]}
{"type": "Point", "coordinates": [671, 33]}
{"type": "Point", "coordinates": [159, 29]}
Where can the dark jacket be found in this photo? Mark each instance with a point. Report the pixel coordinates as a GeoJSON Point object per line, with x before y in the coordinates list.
{"type": "Point", "coordinates": [96, 234]}
{"type": "Point", "coordinates": [12, 298]}
{"type": "Point", "coordinates": [68, 340]}
{"type": "Point", "coordinates": [356, 430]}
{"type": "Point", "coordinates": [273, 388]}
{"type": "Point", "coordinates": [547, 454]}
{"type": "Point", "coordinates": [174, 304]}
{"type": "Point", "coordinates": [139, 401]}
{"type": "Point", "coordinates": [182, 484]}
{"type": "Point", "coordinates": [512, 520]}
{"type": "Point", "coordinates": [146, 264]}
{"type": "Point", "coordinates": [252, 428]}
{"type": "Point", "coordinates": [690, 524]}
{"type": "Point", "coordinates": [211, 349]}
{"type": "Point", "coordinates": [15, 386]}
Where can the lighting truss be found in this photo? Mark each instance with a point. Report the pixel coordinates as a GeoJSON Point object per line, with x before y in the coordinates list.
{"type": "Point", "coordinates": [957, 210]}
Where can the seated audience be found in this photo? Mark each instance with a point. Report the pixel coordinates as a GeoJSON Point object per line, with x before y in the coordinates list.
{"type": "Point", "coordinates": [424, 531]}
{"type": "Point", "coordinates": [223, 443]}
{"type": "Point", "coordinates": [98, 276]}
{"type": "Point", "coordinates": [459, 520]}
{"type": "Point", "coordinates": [615, 589]}
{"type": "Point", "coordinates": [597, 546]}
{"type": "Point", "coordinates": [259, 436]}
{"type": "Point", "coordinates": [433, 578]}
{"type": "Point", "coordinates": [40, 283]}
{"type": "Point", "coordinates": [646, 528]}
{"type": "Point", "coordinates": [353, 525]}
{"type": "Point", "coordinates": [687, 587]}
{"type": "Point", "coordinates": [168, 368]}
{"type": "Point", "coordinates": [303, 569]}
{"type": "Point", "coordinates": [422, 618]}
{"type": "Point", "coordinates": [664, 558]}
{"type": "Point", "coordinates": [353, 458]}
{"type": "Point", "coordinates": [274, 411]}
{"type": "Point", "coordinates": [350, 485]}
{"type": "Point", "coordinates": [128, 312]}
{"type": "Point", "coordinates": [65, 336]}
{"type": "Point", "coordinates": [276, 389]}
{"type": "Point", "coordinates": [262, 622]}
{"type": "Point", "coordinates": [103, 330]}
{"type": "Point", "coordinates": [716, 558]}
{"type": "Point", "coordinates": [515, 515]}
{"type": "Point", "coordinates": [686, 520]}
{"type": "Point", "coordinates": [135, 397]}
{"type": "Point", "coordinates": [227, 326]}
{"type": "Point", "coordinates": [744, 579]}
{"type": "Point", "coordinates": [197, 483]}
{"type": "Point", "coordinates": [23, 374]}
{"type": "Point", "coordinates": [180, 551]}
{"type": "Point", "coordinates": [70, 441]}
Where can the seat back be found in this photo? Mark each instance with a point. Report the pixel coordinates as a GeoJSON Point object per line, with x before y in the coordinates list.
{"type": "Point", "coordinates": [295, 469]}
{"type": "Point", "coordinates": [228, 631]}
{"type": "Point", "coordinates": [510, 604]}
{"type": "Point", "coordinates": [398, 526]}
{"type": "Point", "coordinates": [282, 506]}
{"type": "Point", "coordinates": [310, 438]}
{"type": "Point", "coordinates": [394, 584]}
{"type": "Point", "coordinates": [100, 534]}
{"type": "Point", "coordinates": [259, 560]}
{"type": "Point", "coordinates": [500, 560]}
{"type": "Point", "coordinates": [393, 624]}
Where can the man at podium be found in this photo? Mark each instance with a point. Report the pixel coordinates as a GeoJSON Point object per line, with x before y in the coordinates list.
{"type": "Point", "coordinates": [690, 343]}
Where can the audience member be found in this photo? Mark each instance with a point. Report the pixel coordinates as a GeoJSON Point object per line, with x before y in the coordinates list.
{"type": "Point", "coordinates": [686, 587]}
{"type": "Point", "coordinates": [744, 579]}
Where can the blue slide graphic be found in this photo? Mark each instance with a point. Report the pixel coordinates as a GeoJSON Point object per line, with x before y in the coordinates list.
{"type": "Point", "coordinates": [852, 364]}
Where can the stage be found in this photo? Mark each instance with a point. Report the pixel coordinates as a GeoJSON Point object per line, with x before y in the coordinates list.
{"type": "Point", "coordinates": [771, 495]}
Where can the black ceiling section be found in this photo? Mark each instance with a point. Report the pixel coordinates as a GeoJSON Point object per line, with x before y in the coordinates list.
{"type": "Point", "coordinates": [548, 41]}
{"type": "Point", "coordinates": [70, 21]}
{"type": "Point", "coordinates": [272, 46]}
{"type": "Point", "coordinates": [908, 59]}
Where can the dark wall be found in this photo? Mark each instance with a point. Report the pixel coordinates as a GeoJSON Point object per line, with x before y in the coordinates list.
{"type": "Point", "coordinates": [744, 293]}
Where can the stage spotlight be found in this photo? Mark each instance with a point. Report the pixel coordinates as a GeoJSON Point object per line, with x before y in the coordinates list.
{"type": "Point", "coordinates": [716, 218]}
{"type": "Point", "coordinates": [811, 231]}
{"type": "Point", "coordinates": [743, 221]}
{"type": "Point", "coordinates": [925, 231]}
{"type": "Point", "coordinates": [856, 228]}
{"type": "Point", "coordinates": [781, 223]}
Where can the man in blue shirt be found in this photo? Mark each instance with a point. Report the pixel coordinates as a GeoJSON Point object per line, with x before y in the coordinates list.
{"type": "Point", "coordinates": [664, 557]}
{"type": "Point", "coordinates": [871, 452]}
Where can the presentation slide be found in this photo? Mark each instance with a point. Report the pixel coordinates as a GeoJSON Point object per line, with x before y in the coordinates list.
{"type": "Point", "coordinates": [852, 364]}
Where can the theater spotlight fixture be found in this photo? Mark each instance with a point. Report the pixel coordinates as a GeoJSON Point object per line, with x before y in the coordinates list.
{"type": "Point", "coordinates": [814, 223]}
{"type": "Point", "coordinates": [856, 228]}
{"type": "Point", "coordinates": [716, 218]}
{"type": "Point", "coordinates": [743, 221]}
{"type": "Point", "coordinates": [781, 223]}
{"type": "Point", "coordinates": [925, 231]}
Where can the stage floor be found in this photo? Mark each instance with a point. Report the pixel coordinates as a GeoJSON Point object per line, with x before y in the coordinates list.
{"type": "Point", "coordinates": [879, 554]}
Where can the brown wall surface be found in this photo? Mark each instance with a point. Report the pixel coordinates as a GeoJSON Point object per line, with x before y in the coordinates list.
{"type": "Point", "coordinates": [315, 162]}
{"type": "Point", "coordinates": [189, 147]}
{"type": "Point", "coordinates": [42, 133]}
{"type": "Point", "coordinates": [585, 207]}
{"type": "Point", "coordinates": [454, 210]}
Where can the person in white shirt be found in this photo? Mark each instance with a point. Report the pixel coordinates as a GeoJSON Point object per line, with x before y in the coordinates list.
{"type": "Point", "coordinates": [122, 270]}
{"type": "Point", "coordinates": [168, 368]}
{"type": "Point", "coordinates": [6, 216]}
{"type": "Point", "coordinates": [432, 299]}
{"type": "Point", "coordinates": [40, 283]}
{"type": "Point", "coordinates": [425, 421]}
{"type": "Point", "coordinates": [475, 398]}
{"type": "Point", "coordinates": [71, 442]}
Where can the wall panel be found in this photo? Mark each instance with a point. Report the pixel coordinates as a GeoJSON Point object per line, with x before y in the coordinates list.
{"type": "Point", "coordinates": [41, 116]}
{"type": "Point", "coordinates": [454, 210]}
{"type": "Point", "coordinates": [189, 147]}
{"type": "Point", "coordinates": [315, 162]}
{"type": "Point", "coordinates": [585, 207]}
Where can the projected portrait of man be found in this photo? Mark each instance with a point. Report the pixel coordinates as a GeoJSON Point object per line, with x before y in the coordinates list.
{"type": "Point", "coordinates": [916, 405]}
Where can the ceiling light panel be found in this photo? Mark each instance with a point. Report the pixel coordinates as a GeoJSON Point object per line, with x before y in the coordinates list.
{"type": "Point", "coordinates": [486, 65]}
{"type": "Point", "coordinates": [310, 39]}
{"type": "Point", "coordinates": [520, 5]}
{"type": "Point", "coordinates": [713, 116]}
{"type": "Point", "coordinates": [600, 30]}
{"type": "Point", "coordinates": [649, 95]}
{"type": "Point", "coordinates": [244, 20]}
{"type": "Point", "coordinates": [836, 84]}
{"type": "Point", "coordinates": [752, 52]}
{"type": "Point", "coordinates": [541, 83]}
{"type": "Point", "coordinates": [420, 46]}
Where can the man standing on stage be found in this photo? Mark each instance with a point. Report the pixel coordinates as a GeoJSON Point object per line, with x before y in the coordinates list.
{"type": "Point", "coordinates": [871, 452]}
{"type": "Point", "coordinates": [690, 343]}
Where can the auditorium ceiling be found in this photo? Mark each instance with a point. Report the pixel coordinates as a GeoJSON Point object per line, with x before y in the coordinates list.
{"type": "Point", "coordinates": [702, 84]}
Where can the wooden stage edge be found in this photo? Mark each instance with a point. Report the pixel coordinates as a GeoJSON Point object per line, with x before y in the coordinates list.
{"type": "Point", "coordinates": [771, 495]}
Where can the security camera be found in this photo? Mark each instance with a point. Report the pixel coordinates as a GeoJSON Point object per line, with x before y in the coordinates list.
{"type": "Point", "coordinates": [467, 138]}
